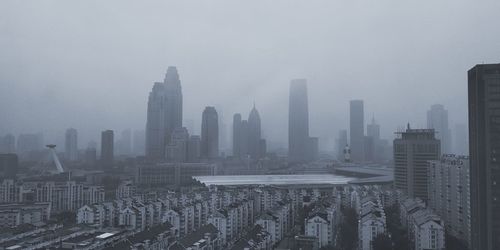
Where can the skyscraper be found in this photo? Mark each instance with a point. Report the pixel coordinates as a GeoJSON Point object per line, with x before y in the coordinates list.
{"type": "Point", "coordinates": [254, 134]}
{"type": "Point", "coordinates": [298, 121]}
{"type": "Point", "coordinates": [237, 135]}
{"type": "Point", "coordinates": [437, 119]}
{"type": "Point", "coordinates": [209, 134]}
{"type": "Point", "coordinates": [341, 144]}
{"type": "Point", "coordinates": [357, 130]}
{"type": "Point", "coordinates": [412, 151]}
{"type": "Point", "coordinates": [372, 142]}
{"type": "Point", "coordinates": [177, 150]}
{"type": "Point", "coordinates": [164, 114]}
{"type": "Point", "coordinates": [71, 144]}
{"type": "Point", "coordinates": [194, 144]}
{"type": "Point", "coordinates": [484, 149]}
{"type": "Point", "coordinates": [107, 149]}
{"type": "Point", "coordinates": [461, 139]}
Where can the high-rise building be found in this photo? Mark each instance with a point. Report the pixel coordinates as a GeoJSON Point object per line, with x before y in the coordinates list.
{"type": "Point", "coordinates": [8, 144]}
{"type": "Point", "coordinates": [373, 150]}
{"type": "Point", "coordinates": [449, 194]}
{"type": "Point", "coordinates": [71, 144]}
{"type": "Point", "coordinates": [237, 135]}
{"type": "Point", "coordinates": [164, 114]}
{"type": "Point", "coordinates": [412, 150]}
{"type": "Point", "coordinates": [177, 150]}
{"type": "Point", "coordinates": [223, 147]}
{"type": "Point", "coordinates": [461, 139]}
{"type": "Point", "coordinates": [8, 165]}
{"type": "Point", "coordinates": [484, 149]}
{"type": "Point", "coordinates": [209, 134]}
{"type": "Point", "coordinates": [254, 134]}
{"type": "Point", "coordinates": [139, 142]}
{"type": "Point", "coordinates": [194, 145]}
{"type": "Point", "coordinates": [298, 121]}
{"type": "Point", "coordinates": [341, 144]}
{"type": "Point", "coordinates": [107, 149]}
{"type": "Point", "coordinates": [357, 130]}
{"type": "Point", "coordinates": [124, 144]}
{"type": "Point", "coordinates": [244, 153]}
{"type": "Point", "coordinates": [437, 119]}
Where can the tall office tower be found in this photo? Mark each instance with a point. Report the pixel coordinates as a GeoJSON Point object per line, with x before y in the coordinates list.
{"type": "Point", "coordinates": [449, 194]}
{"type": "Point", "coordinates": [71, 145]}
{"type": "Point", "coordinates": [372, 145]}
{"type": "Point", "coordinates": [254, 134]}
{"type": "Point", "coordinates": [412, 150]}
{"type": "Point", "coordinates": [237, 135]}
{"type": "Point", "coordinates": [177, 149]}
{"type": "Point", "coordinates": [461, 139]}
{"type": "Point", "coordinates": [244, 153]}
{"type": "Point", "coordinates": [194, 144]}
{"type": "Point", "coordinates": [107, 149]}
{"type": "Point", "coordinates": [8, 144]}
{"type": "Point", "coordinates": [222, 131]}
{"type": "Point", "coordinates": [8, 165]}
{"type": "Point", "coordinates": [209, 134]}
{"type": "Point", "coordinates": [189, 124]}
{"type": "Point", "coordinates": [124, 144]}
{"type": "Point", "coordinates": [298, 121]}
{"type": "Point", "coordinates": [139, 142]}
{"type": "Point", "coordinates": [437, 119]}
{"type": "Point", "coordinates": [164, 114]}
{"type": "Point", "coordinates": [341, 144]}
{"type": "Point", "coordinates": [357, 130]}
{"type": "Point", "coordinates": [484, 149]}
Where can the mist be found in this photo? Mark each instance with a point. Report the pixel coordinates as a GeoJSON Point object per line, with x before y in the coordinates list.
{"type": "Point", "coordinates": [91, 64]}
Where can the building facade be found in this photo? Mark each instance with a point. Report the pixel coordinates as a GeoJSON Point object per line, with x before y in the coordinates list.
{"type": "Point", "coordinates": [298, 121]}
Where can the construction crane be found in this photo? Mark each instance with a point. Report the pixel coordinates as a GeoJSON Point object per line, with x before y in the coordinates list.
{"type": "Point", "coordinates": [52, 149]}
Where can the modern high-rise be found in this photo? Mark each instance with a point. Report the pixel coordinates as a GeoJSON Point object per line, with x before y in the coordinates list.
{"type": "Point", "coordinates": [194, 145]}
{"type": "Point", "coordinates": [298, 121]}
{"type": "Point", "coordinates": [107, 149]}
{"type": "Point", "coordinates": [8, 144]}
{"type": "Point", "coordinates": [177, 149]}
{"type": "Point", "coordinates": [484, 150]}
{"type": "Point", "coordinates": [372, 145]}
{"type": "Point", "coordinates": [209, 134]}
{"type": "Point", "coordinates": [71, 145]}
{"type": "Point", "coordinates": [341, 144]}
{"type": "Point", "coordinates": [237, 135]}
{"type": "Point", "coordinates": [164, 114]}
{"type": "Point", "coordinates": [437, 119]}
{"type": "Point", "coordinates": [449, 194]}
{"type": "Point", "coordinates": [412, 151]}
{"type": "Point", "coordinates": [254, 134]}
{"type": "Point", "coordinates": [357, 130]}
{"type": "Point", "coordinates": [461, 139]}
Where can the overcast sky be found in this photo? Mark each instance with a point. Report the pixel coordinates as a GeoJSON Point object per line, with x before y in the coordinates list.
{"type": "Point", "coordinates": [91, 64]}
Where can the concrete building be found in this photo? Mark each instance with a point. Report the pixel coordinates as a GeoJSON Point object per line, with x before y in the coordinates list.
{"type": "Point", "coordinates": [321, 223]}
{"type": "Point", "coordinates": [194, 145]}
{"type": "Point", "coordinates": [412, 150]}
{"type": "Point", "coordinates": [172, 174]}
{"type": "Point", "coordinates": [71, 145]}
{"type": "Point", "coordinates": [437, 119]}
{"type": "Point", "coordinates": [371, 223]}
{"type": "Point", "coordinates": [164, 114]}
{"type": "Point", "coordinates": [15, 214]}
{"type": "Point", "coordinates": [357, 130]}
{"type": "Point", "coordinates": [484, 149]}
{"type": "Point", "coordinates": [209, 134]}
{"type": "Point", "coordinates": [177, 150]}
{"type": "Point", "coordinates": [107, 149]}
{"type": "Point", "coordinates": [298, 121]}
{"type": "Point", "coordinates": [449, 194]}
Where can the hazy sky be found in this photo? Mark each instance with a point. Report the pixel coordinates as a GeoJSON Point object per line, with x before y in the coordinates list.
{"type": "Point", "coordinates": [91, 64]}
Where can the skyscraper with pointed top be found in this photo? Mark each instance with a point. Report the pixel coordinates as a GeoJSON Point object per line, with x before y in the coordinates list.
{"type": "Point", "coordinates": [164, 114]}
{"type": "Point", "coordinates": [254, 134]}
{"type": "Point", "coordinates": [298, 121]}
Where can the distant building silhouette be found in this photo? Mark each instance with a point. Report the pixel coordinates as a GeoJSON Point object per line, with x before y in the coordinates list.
{"type": "Point", "coordinates": [254, 134]}
{"type": "Point", "coordinates": [341, 144]}
{"type": "Point", "coordinates": [8, 144]}
{"type": "Point", "coordinates": [412, 151]}
{"type": "Point", "coordinates": [164, 114]}
{"type": "Point", "coordinates": [194, 147]}
{"type": "Point", "coordinates": [139, 142]}
{"type": "Point", "coordinates": [437, 119]}
{"type": "Point", "coordinates": [461, 139]}
{"type": "Point", "coordinates": [298, 121]}
{"type": "Point", "coordinates": [177, 150]}
{"type": "Point", "coordinates": [209, 134]}
{"type": "Point", "coordinates": [124, 144]}
{"type": "Point", "coordinates": [9, 165]}
{"type": "Point", "coordinates": [237, 135]}
{"type": "Point", "coordinates": [107, 149]}
{"type": "Point", "coordinates": [372, 147]}
{"type": "Point", "coordinates": [71, 145]}
{"type": "Point", "coordinates": [356, 131]}
{"type": "Point", "coordinates": [484, 143]}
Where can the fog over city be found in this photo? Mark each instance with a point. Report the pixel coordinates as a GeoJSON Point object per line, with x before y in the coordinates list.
{"type": "Point", "coordinates": [91, 64]}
